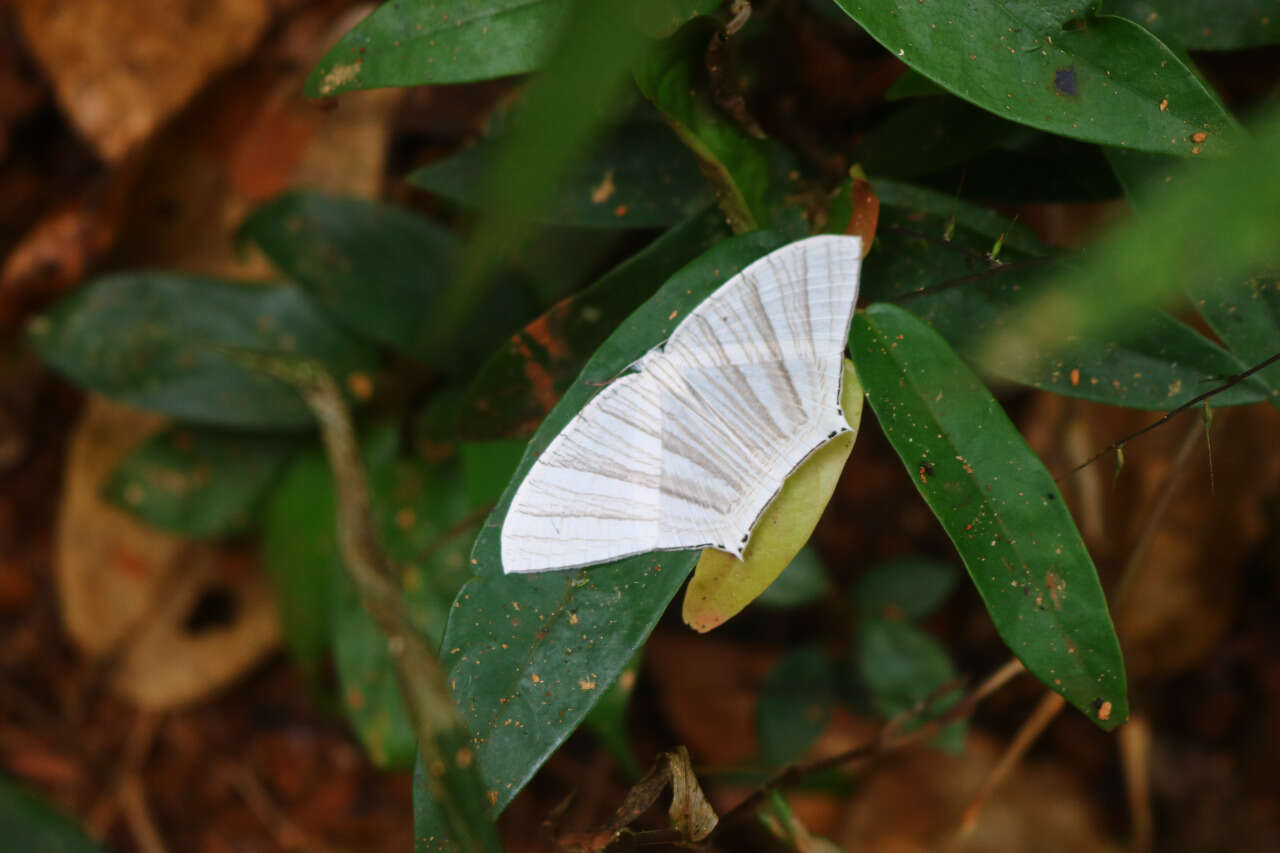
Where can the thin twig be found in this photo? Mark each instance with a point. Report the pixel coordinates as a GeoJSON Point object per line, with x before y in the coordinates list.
{"type": "Point", "coordinates": [132, 797]}
{"type": "Point", "coordinates": [1135, 757]}
{"type": "Point", "coordinates": [1231, 382]}
{"type": "Point", "coordinates": [287, 834]}
{"type": "Point", "coordinates": [1029, 733]}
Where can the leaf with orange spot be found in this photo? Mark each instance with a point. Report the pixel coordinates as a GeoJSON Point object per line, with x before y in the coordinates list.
{"type": "Point", "coordinates": [521, 382]}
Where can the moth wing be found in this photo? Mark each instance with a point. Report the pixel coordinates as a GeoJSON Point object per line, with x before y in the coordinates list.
{"type": "Point", "coordinates": [593, 495]}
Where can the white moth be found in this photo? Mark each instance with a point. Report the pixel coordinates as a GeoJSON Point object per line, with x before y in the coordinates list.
{"type": "Point", "coordinates": [688, 451]}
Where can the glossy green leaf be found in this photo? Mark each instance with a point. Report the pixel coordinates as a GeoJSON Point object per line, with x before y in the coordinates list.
{"type": "Point", "coordinates": [1210, 225]}
{"type": "Point", "coordinates": [637, 175]}
{"type": "Point", "coordinates": [520, 382]}
{"type": "Point", "coordinates": [909, 588]}
{"type": "Point", "coordinates": [803, 582]}
{"type": "Point", "coordinates": [1204, 24]}
{"type": "Point", "coordinates": [736, 164]}
{"type": "Point", "coordinates": [155, 340]}
{"type": "Point", "coordinates": [999, 506]}
{"type": "Point", "coordinates": [529, 654]}
{"type": "Point", "coordinates": [935, 264]}
{"type": "Point", "coordinates": [412, 42]}
{"type": "Point", "coordinates": [1051, 65]}
{"type": "Point", "coordinates": [902, 666]}
{"type": "Point", "coordinates": [200, 483]}
{"type": "Point", "coordinates": [795, 705]}
{"type": "Point", "coordinates": [374, 268]}
{"type": "Point", "coordinates": [298, 544]}
{"type": "Point", "coordinates": [608, 719]}
{"type": "Point", "coordinates": [27, 823]}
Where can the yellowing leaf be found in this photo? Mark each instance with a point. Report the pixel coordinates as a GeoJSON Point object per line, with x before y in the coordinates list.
{"type": "Point", "coordinates": [722, 584]}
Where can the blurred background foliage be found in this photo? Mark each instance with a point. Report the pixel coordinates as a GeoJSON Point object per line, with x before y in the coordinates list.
{"type": "Point", "coordinates": [472, 215]}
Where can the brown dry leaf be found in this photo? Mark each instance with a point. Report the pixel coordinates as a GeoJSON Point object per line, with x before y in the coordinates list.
{"type": "Point", "coordinates": [121, 70]}
{"type": "Point", "coordinates": [59, 250]}
{"type": "Point", "coordinates": [690, 811]}
{"type": "Point", "coordinates": [214, 620]}
{"type": "Point", "coordinates": [866, 213]}
{"type": "Point", "coordinates": [134, 595]}
{"type": "Point", "coordinates": [247, 138]}
{"type": "Point", "coordinates": [109, 566]}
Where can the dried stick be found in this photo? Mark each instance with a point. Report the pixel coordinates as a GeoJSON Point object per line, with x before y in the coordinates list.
{"type": "Point", "coordinates": [1030, 731]}
{"type": "Point", "coordinates": [1230, 382]}
{"type": "Point", "coordinates": [444, 743]}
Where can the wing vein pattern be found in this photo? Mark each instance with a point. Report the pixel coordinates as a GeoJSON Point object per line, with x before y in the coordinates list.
{"type": "Point", "coordinates": [689, 450]}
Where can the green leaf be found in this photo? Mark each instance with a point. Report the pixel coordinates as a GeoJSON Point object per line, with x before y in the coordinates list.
{"type": "Point", "coordinates": [999, 506]}
{"type": "Point", "coordinates": [1211, 225]}
{"type": "Point", "coordinates": [487, 467]}
{"type": "Point", "coordinates": [1155, 363]}
{"type": "Point", "coordinates": [523, 650]}
{"type": "Point", "coordinates": [1204, 24]}
{"type": "Point", "coordinates": [909, 588]}
{"type": "Point", "coordinates": [903, 666]}
{"type": "Point", "coordinates": [200, 483]}
{"type": "Point", "coordinates": [412, 42]}
{"type": "Point", "coordinates": [298, 544]}
{"type": "Point", "coordinates": [637, 175]}
{"type": "Point", "coordinates": [521, 381]}
{"type": "Point", "coordinates": [608, 719]}
{"type": "Point", "coordinates": [376, 269]}
{"type": "Point", "coordinates": [26, 823]}
{"type": "Point", "coordinates": [803, 582]}
{"type": "Point", "coordinates": [795, 705]}
{"type": "Point", "coordinates": [930, 135]}
{"type": "Point", "coordinates": [153, 340]}
{"type": "Point", "coordinates": [737, 165]}
{"type": "Point", "coordinates": [1046, 64]}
